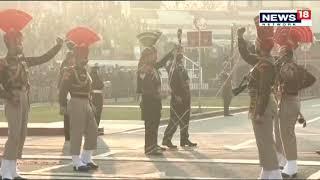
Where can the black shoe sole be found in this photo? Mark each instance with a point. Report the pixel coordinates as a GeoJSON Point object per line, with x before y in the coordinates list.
{"type": "Point", "coordinates": [93, 166]}
{"type": "Point", "coordinates": [81, 169]}
{"type": "Point", "coordinates": [287, 176]}
{"type": "Point", "coordinates": [154, 154]}
{"type": "Point", "coordinates": [186, 145]}
{"type": "Point", "coordinates": [170, 146]}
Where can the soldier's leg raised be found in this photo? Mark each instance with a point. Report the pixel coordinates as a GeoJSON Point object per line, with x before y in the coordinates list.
{"type": "Point", "coordinates": [289, 110]}
{"type": "Point", "coordinates": [90, 141]}
{"type": "Point", "coordinates": [77, 112]}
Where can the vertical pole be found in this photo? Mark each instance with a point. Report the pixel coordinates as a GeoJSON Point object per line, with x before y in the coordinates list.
{"type": "Point", "coordinates": [232, 45]}
{"type": "Point", "coordinates": [200, 71]}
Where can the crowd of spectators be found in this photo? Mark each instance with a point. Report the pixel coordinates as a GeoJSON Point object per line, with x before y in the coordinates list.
{"type": "Point", "coordinates": [119, 83]}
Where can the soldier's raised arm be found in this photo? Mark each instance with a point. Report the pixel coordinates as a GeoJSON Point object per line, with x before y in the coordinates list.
{"type": "Point", "coordinates": [164, 60]}
{"type": "Point", "coordinates": [33, 61]}
{"type": "Point", "coordinates": [250, 58]}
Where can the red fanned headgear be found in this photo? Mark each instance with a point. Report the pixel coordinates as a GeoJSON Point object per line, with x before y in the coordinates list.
{"type": "Point", "coordinates": [12, 21]}
{"type": "Point", "coordinates": [264, 40]}
{"type": "Point", "coordinates": [292, 36]}
{"type": "Point", "coordinates": [82, 37]}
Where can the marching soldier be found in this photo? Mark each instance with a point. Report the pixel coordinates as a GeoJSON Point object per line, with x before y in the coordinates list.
{"type": "Point", "coordinates": [289, 82]}
{"type": "Point", "coordinates": [14, 87]}
{"type": "Point", "coordinates": [180, 104]}
{"type": "Point", "coordinates": [77, 81]}
{"type": "Point", "coordinates": [67, 62]}
{"type": "Point", "coordinates": [149, 86]}
{"type": "Point", "coordinates": [262, 109]}
{"type": "Point", "coordinates": [97, 93]}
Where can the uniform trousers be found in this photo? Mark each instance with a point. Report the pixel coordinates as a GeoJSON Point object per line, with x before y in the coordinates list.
{"type": "Point", "coordinates": [82, 123]}
{"type": "Point", "coordinates": [151, 114]}
{"type": "Point", "coordinates": [263, 131]}
{"type": "Point", "coordinates": [17, 117]}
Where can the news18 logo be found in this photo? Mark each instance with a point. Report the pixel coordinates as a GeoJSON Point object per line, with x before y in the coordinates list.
{"type": "Point", "coordinates": [285, 18]}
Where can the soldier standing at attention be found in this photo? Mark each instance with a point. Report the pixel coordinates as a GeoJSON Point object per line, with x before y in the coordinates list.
{"type": "Point", "coordinates": [149, 86]}
{"type": "Point", "coordinates": [97, 93]}
{"type": "Point", "coordinates": [67, 62]}
{"type": "Point", "coordinates": [77, 81]}
{"type": "Point", "coordinates": [291, 79]}
{"type": "Point", "coordinates": [263, 107]}
{"type": "Point", "coordinates": [14, 86]}
{"type": "Point", "coordinates": [226, 87]}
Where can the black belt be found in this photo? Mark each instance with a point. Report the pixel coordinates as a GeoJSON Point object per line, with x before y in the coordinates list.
{"type": "Point", "coordinates": [80, 96]}
{"type": "Point", "coordinates": [292, 94]}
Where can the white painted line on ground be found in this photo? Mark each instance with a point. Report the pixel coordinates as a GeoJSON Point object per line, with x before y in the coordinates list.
{"type": "Point", "coordinates": [193, 121]}
{"type": "Point", "coordinates": [166, 107]}
{"type": "Point", "coordinates": [177, 160]}
{"type": "Point", "coordinates": [308, 122]}
{"type": "Point", "coordinates": [242, 145]}
{"type": "Point", "coordinates": [230, 133]}
{"type": "Point", "coordinates": [315, 175]}
{"type": "Point", "coordinates": [50, 168]}
{"type": "Point", "coordinates": [69, 158]}
{"type": "Point", "coordinates": [155, 175]}
{"type": "Point", "coordinates": [313, 120]}
{"type": "Point", "coordinates": [316, 105]}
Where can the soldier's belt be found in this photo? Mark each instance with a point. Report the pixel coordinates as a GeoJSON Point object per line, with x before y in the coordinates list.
{"type": "Point", "coordinates": [80, 95]}
{"type": "Point", "coordinates": [97, 91]}
{"type": "Point", "coordinates": [22, 88]}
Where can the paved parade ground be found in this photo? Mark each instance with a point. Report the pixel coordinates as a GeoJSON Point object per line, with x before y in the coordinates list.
{"type": "Point", "coordinates": [226, 150]}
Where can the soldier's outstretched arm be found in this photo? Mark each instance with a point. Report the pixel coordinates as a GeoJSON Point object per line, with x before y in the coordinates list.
{"type": "Point", "coordinates": [250, 58]}
{"type": "Point", "coordinates": [33, 61]}
{"type": "Point", "coordinates": [164, 60]}
{"type": "Point", "coordinates": [64, 89]}
{"type": "Point", "coordinates": [267, 76]}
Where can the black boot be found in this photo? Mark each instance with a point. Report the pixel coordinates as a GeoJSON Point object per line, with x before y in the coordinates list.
{"type": "Point", "coordinates": [19, 178]}
{"type": "Point", "coordinates": [83, 168]}
{"type": "Point", "coordinates": [161, 148]}
{"type": "Point", "coordinates": [92, 166]}
{"type": "Point", "coordinates": [169, 144]}
{"type": "Point", "coordinates": [154, 152]}
{"type": "Point", "coordinates": [187, 143]}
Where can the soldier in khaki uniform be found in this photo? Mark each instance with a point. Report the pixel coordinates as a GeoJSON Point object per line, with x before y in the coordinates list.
{"type": "Point", "coordinates": [77, 81]}
{"type": "Point", "coordinates": [289, 82]}
{"type": "Point", "coordinates": [262, 109]}
{"type": "Point", "coordinates": [226, 87]}
{"type": "Point", "coordinates": [14, 89]}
